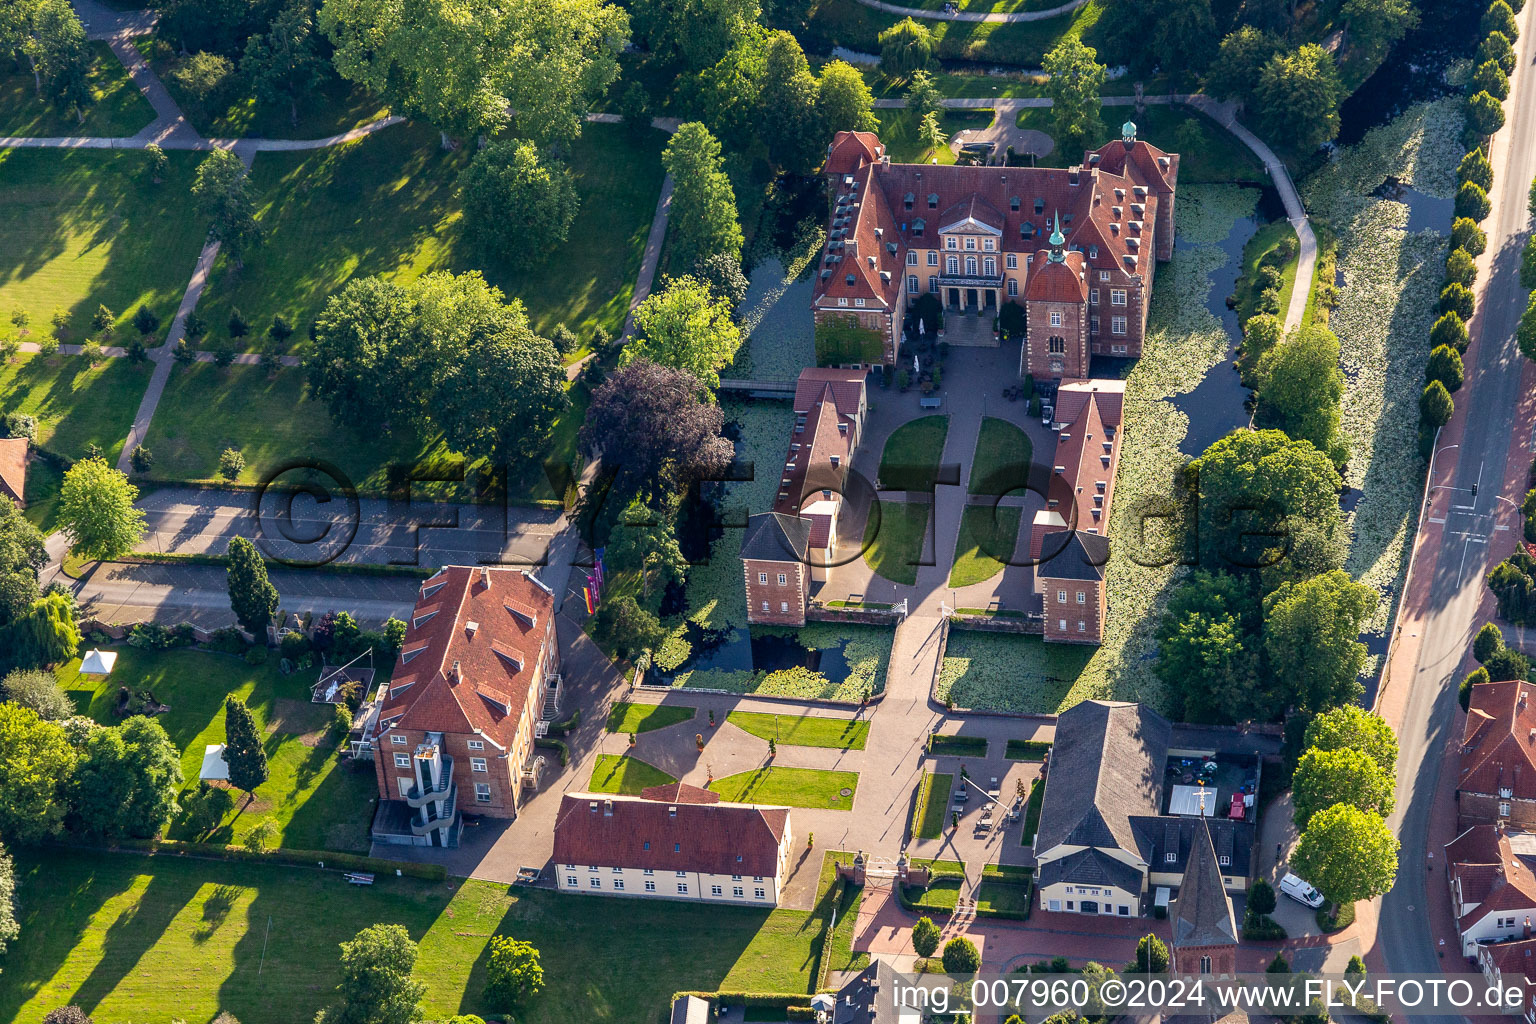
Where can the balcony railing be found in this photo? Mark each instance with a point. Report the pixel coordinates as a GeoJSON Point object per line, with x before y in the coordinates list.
{"type": "Point", "coordinates": [416, 796]}
{"type": "Point", "coordinates": [442, 819]}
{"type": "Point", "coordinates": [970, 281]}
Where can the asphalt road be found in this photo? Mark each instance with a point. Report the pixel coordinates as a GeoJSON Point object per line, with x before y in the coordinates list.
{"type": "Point", "coordinates": [1465, 533]}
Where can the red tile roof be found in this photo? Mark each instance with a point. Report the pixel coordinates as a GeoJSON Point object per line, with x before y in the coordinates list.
{"type": "Point", "coordinates": [1056, 282]}
{"type": "Point", "coordinates": [633, 832]}
{"type": "Point", "coordinates": [13, 468]}
{"type": "Point", "coordinates": [1494, 870]}
{"type": "Point", "coordinates": [830, 426]}
{"type": "Point", "coordinates": [851, 150]}
{"type": "Point", "coordinates": [847, 389]}
{"type": "Point", "coordinates": [1498, 748]}
{"type": "Point", "coordinates": [680, 793]}
{"type": "Point", "coordinates": [469, 672]}
{"type": "Point", "coordinates": [1517, 958]}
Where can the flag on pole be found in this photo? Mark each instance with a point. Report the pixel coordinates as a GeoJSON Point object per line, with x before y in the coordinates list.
{"type": "Point", "coordinates": [586, 592]}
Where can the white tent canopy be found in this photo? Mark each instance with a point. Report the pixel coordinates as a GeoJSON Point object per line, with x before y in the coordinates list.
{"type": "Point", "coordinates": [98, 663]}
{"type": "Point", "coordinates": [1188, 800]}
{"type": "Point", "coordinates": [215, 768]}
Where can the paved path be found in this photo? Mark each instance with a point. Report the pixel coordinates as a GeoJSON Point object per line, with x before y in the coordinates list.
{"type": "Point", "coordinates": [975, 16]}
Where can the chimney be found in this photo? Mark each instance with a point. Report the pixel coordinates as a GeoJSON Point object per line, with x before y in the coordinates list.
{"type": "Point", "coordinates": [485, 576]}
{"type": "Point", "coordinates": [607, 808]}
{"type": "Point", "coordinates": [455, 670]}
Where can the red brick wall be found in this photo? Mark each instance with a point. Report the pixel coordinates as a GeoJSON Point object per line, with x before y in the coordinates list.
{"type": "Point", "coordinates": [1483, 809]}
{"type": "Point", "coordinates": [1090, 612]}
{"type": "Point", "coordinates": [501, 773]}
{"type": "Point", "coordinates": [1186, 959]}
{"type": "Point", "coordinates": [1038, 359]}
{"type": "Point", "coordinates": [792, 593]}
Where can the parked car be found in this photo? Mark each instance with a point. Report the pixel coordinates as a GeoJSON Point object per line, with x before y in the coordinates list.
{"type": "Point", "coordinates": [1300, 890]}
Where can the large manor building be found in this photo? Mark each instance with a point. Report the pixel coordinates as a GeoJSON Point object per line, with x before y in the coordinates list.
{"type": "Point", "coordinates": [1074, 246]}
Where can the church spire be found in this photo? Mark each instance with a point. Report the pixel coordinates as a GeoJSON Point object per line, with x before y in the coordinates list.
{"type": "Point", "coordinates": [1057, 254]}
{"type": "Point", "coordinates": [1204, 931]}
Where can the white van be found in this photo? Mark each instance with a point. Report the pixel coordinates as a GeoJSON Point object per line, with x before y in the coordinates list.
{"type": "Point", "coordinates": [1300, 891]}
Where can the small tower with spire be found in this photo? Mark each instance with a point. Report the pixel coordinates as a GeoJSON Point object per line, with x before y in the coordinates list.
{"type": "Point", "coordinates": [1204, 930]}
{"type": "Point", "coordinates": [1128, 134]}
{"type": "Point", "coordinates": [1058, 240]}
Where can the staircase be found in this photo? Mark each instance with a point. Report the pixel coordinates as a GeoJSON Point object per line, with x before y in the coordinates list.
{"type": "Point", "coordinates": [551, 698]}
{"type": "Point", "coordinates": [963, 329]}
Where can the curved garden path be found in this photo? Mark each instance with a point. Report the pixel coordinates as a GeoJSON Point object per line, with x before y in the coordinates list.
{"type": "Point", "coordinates": [994, 17]}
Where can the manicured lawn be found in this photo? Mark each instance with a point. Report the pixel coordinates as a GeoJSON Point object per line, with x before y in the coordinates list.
{"type": "Point", "coordinates": [1259, 246]}
{"type": "Point", "coordinates": [896, 549]}
{"type": "Point", "coordinates": [152, 939]}
{"type": "Point", "coordinates": [791, 787]}
{"type": "Point", "coordinates": [389, 205]}
{"type": "Point", "coordinates": [857, 27]}
{"type": "Point", "coordinates": [75, 404]}
{"type": "Point", "coordinates": [1009, 671]}
{"type": "Point", "coordinates": [910, 461]}
{"type": "Point", "coordinates": [932, 805]}
{"type": "Point", "coordinates": [117, 108]}
{"type": "Point", "coordinates": [1032, 812]}
{"type": "Point", "coordinates": [941, 745]}
{"type": "Point", "coordinates": [86, 227]}
{"type": "Point", "coordinates": [1004, 897]}
{"type": "Point", "coordinates": [987, 535]}
{"type": "Point", "coordinates": [1207, 151]}
{"type": "Point", "coordinates": [940, 897]}
{"type": "Point", "coordinates": [899, 127]}
{"type": "Point", "coordinates": [206, 409]}
{"type": "Point", "coordinates": [1001, 463]}
{"type": "Point", "coordinates": [1026, 750]}
{"type": "Point", "coordinates": [316, 802]}
{"type": "Point", "coordinates": [804, 730]}
{"type": "Point", "coordinates": [627, 718]}
{"type": "Point", "coordinates": [616, 773]}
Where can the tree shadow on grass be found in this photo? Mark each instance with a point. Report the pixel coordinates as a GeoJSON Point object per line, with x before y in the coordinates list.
{"type": "Point", "coordinates": [132, 935]}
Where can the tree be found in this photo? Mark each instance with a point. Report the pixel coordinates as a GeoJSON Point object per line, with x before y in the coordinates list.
{"type": "Point", "coordinates": [1450, 329]}
{"type": "Point", "coordinates": [22, 556]}
{"type": "Point", "coordinates": [930, 132]}
{"type": "Point", "coordinates": [368, 361]}
{"type": "Point", "coordinates": [1279, 965]}
{"type": "Point", "coordinates": [1076, 79]}
{"type": "Point", "coordinates": [503, 397]}
{"type": "Point", "coordinates": [1496, 47]}
{"type": "Point", "coordinates": [621, 624]}
{"type": "Point", "coordinates": [1261, 898]}
{"type": "Point", "coordinates": [1528, 264]}
{"type": "Point", "coordinates": [1435, 404]}
{"type": "Point", "coordinates": [703, 218]}
{"type": "Point", "coordinates": [283, 64]}
{"type": "Point", "coordinates": [1445, 366]}
{"type": "Point", "coordinates": [729, 93]}
{"type": "Point", "coordinates": [60, 56]}
{"type": "Point", "coordinates": [645, 543]}
{"type": "Point", "coordinates": [146, 320]}
{"type": "Point", "coordinates": [513, 975]}
{"type": "Point", "coordinates": [1239, 61]}
{"type": "Point", "coordinates": [39, 690]}
{"type": "Point", "coordinates": [905, 47]}
{"type": "Point", "coordinates": [722, 272]}
{"type": "Point", "coordinates": [36, 762]}
{"type": "Point", "coordinates": [262, 837]}
{"type": "Point", "coordinates": [518, 204]}
{"type": "Point", "coordinates": [661, 436]}
{"type": "Point", "coordinates": [1472, 202]}
{"type": "Point", "coordinates": [1499, 18]}
{"type": "Point", "coordinates": [1507, 663]}
{"type": "Point", "coordinates": [1475, 167]}
{"type": "Point", "coordinates": [1487, 642]}
{"type": "Point", "coordinates": [96, 510]}
{"type": "Point", "coordinates": [1465, 234]}
{"type": "Point", "coordinates": [203, 75]}
{"type": "Point", "coordinates": [1349, 727]}
{"type": "Point", "coordinates": [1464, 689]}
{"type": "Point", "coordinates": [1257, 489]}
{"type": "Point", "coordinates": [1298, 98]}
{"type": "Point", "coordinates": [685, 327]}
{"type": "Point", "coordinates": [923, 97]}
{"type": "Point", "coordinates": [243, 750]}
{"type": "Point", "coordinates": [1151, 956]}
{"type": "Point", "coordinates": [925, 937]}
{"type": "Point", "coordinates": [1327, 777]}
{"type": "Point", "coordinates": [252, 597]}
{"type": "Point", "coordinates": [9, 928]}
{"type": "Point", "coordinates": [961, 956]}
{"type": "Point", "coordinates": [1180, 36]}
{"type": "Point", "coordinates": [1485, 115]}
{"type": "Point", "coordinates": [1349, 854]}
{"type": "Point", "coordinates": [376, 985]}
{"type": "Point", "coordinates": [231, 463]}
{"type": "Point", "coordinates": [1525, 332]}
{"type": "Point", "coordinates": [1310, 638]}
{"type": "Point", "coordinates": [843, 100]}
{"type": "Point", "coordinates": [1374, 25]}
{"type": "Point", "coordinates": [1208, 650]}
{"type": "Point", "coordinates": [788, 121]}
{"type": "Point", "coordinates": [126, 781]}
{"type": "Point", "coordinates": [467, 67]}
{"type": "Point", "coordinates": [44, 634]}
{"type": "Point", "coordinates": [222, 191]}
{"type": "Point", "coordinates": [207, 807]}
{"type": "Point", "coordinates": [1460, 267]}
{"type": "Point", "coordinates": [1300, 386]}
{"type": "Point", "coordinates": [1490, 78]}
{"type": "Point", "coordinates": [694, 33]}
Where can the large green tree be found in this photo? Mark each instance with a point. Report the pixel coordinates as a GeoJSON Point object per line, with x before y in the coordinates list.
{"type": "Point", "coordinates": [1374, 25]}
{"type": "Point", "coordinates": [644, 542]}
{"type": "Point", "coordinates": [252, 596]}
{"type": "Point", "coordinates": [283, 64]}
{"type": "Point", "coordinates": [1178, 36]}
{"type": "Point", "coordinates": [38, 689]}
{"type": "Point", "coordinates": [376, 984]}
{"type": "Point", "coordinates": [1311, 638]}
{"type": "Point", "coordinates": [728, 93]}
{"type": "Point", "coordinates": [693, 33]}
{"type": "Point", "coordinates": [503, 397]}
{"type": "Point", "coordinates": [687, 327]}
{"type": "Point", "coordinates": [9, 928]}
{"type": "Point", "coordinates": [222, 191]}
{"type": "Point", "coordinates": [1298, 97]}
{"type": "Point", "coordinates": [1076, 79]}
{"type": "Point", "coordinates": [1349, 854]}
{"type": "Point", "coordinates": [844, 101]}
{"type": "Point", "coordinates": [1351, 727]}
{"type": "Point", "coordinates": [905, 47]}
{"type": "Point", "coordinates": [466, 66]}
{"type": "Point", "coordinates": [518, 203]}
{"type": "Point", "coordinates": [96, 510]}
{"type": "Point", "coordinates": [60, 55]}
{"type": "Point", "coordinates": [1151, 955]}
{"type": "Point", "coordinates": [36, 762]}
{"type": "Point", "coordinates": [1300, 385]}
{"type": "Point", "coordinates": [22, 556]}
{"type": "Point", "coordinates": [1208, 650]}
{"type": "Point", "coordinates": [703, 219]}
{"type": "Point", "coordinates": [368, 361]}
{"type": "Point", "coordinates": [1327, 777]}
{"type": "Point", "coordinates": [514, 974]}
{"type": "Point", "coordinates": [1239, 61]}
{"type": "Point", "coordinates": [243, 749]}
{"type": "Point", "coordinates": [45, 634]}
{"type": "Point", "coordinates": [788, 121]}
{"type": "Point", "coordinates": [126, 781]}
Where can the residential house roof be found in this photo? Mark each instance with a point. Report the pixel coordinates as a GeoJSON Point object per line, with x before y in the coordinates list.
{"type": "Point", "coordinates": [1106, 768]}
{"type": "Point", "coordinates": [848, 389]}
{"type": "Point", "coordinates": [1493, 869]}
{"type": "Point", "coordinates": [1498, 747]}
{"type": "Point", "coordinates": [13, 468]}
{"type": "Point", "coordinates": [680, 793]}
{"type": "Point", "coordinates": [1160, 835]}
{"type": "Point", "coordinates": [471, 651]}
{"type": "Point", "coordinates": [1202, 913]}
{"type": "Point", "coordinates": [1091, 867]}
{"type": "Point", "coordinates": [632, 832]}
{"type": "Point", "coordinates": [1087, 450]}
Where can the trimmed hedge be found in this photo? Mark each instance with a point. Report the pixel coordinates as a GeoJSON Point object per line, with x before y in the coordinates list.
{"type": "Point", "coordinates": [338, 568]}
{"type": "Point", "coordinates": [559, 746]}
{"type": "Point", "coordinates": [331, 859]}
{"type": "Point", "coordinates": [1027, 750]}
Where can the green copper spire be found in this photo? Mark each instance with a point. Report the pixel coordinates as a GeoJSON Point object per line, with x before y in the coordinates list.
{"type": "Point", "coordinates": [1128, 132]}
{"type": "Point", "coordinates": [1057, 255]}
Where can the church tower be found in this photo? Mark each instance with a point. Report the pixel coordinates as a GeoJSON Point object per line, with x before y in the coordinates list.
{"type": "Point", "coordinates": [1204, 931]}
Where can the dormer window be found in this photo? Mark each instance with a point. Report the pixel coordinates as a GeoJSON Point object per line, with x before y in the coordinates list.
{"type": "Point", "coordinates": [907, 200]}
{"type": "Point", "coordinates": [933, 200]}
{"type": "Point", "coordinates": [1013, 204]}
{"type": "Point", "coordinates": [1039, 206]}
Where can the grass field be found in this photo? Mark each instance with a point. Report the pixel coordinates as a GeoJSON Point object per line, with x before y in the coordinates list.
{"type": "Point", "coordinates": [987, 536]}
{"type": "Point", "coordinates": [75, 404]}
{"type": "Point", "coordinates": [897, 546]}
{"type": "Point", "coordinates": [317, 804]}
{"type": "Point", "coordinates": [804, 730]}
{"type": "Point", "coordinates": [117, 107]}
{"type": "Point", "coordinates": [932, 803]}
{"type": "Point", "coordinates": [1032, 812]}
{"type": "Point", "coordinates": [389, 205]}
{"type": "Point", "coordinates": [791, 787]}
{"type": "Point", "coordinates": [851, 24]}
{"type": "Point", "coordinates": [269, 417]}
{"type": "Point", "coordinates": [627, 718]}
{"type": "Point", "coordinates": [904, 146]}
{"type": "Point", "coordinates": [87, 227]}
{"type": "Point", "coordinates": [948, 744]}
{"type": "Point", "coordinates": [1259, 246]}
{"type": "Point", "coordinates": [152, 939]}
{"type": "Point", "coordinates": [1207, 151]}
{"type": "Point", "coordinates": [1001, 463]}
{"type": "Point", "coordinates": [616, 773]}
{"type": "Point", "coordinates": [910, 460]}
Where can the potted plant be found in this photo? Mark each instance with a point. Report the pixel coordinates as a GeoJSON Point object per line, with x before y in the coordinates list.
{"type": "Point", "coordinates": [698, 739]}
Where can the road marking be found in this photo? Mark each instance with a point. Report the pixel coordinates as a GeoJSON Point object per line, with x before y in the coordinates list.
{"type": "Point", "coordinates": [1434, 520]}
{"type": "Point", "coordinates": [1501, 528]}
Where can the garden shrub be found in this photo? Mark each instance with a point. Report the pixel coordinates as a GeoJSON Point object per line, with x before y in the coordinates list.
{"type": "Point", "coordinates": [18, 424]}
{"type": "Point", "coordinates": [256, 655]}
{"type": "Point", "coordinates": [1472, 202]}
{"type": "Point", "coordinates": [227, 641]}
{"type": "Point", "coordinates": [1513, 582]}
{"type": "Point", "coordinates": [1465, 234]}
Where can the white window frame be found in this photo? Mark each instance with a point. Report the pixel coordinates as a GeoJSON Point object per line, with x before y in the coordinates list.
{"type": "Point", "coordinates": [650, 886]}
{"type": "Point", "coordinates": [402, 760]}
{"type": "Point", "coordinates": [1117, 296]}
{"type": "Point", "coordinates": [933, 257]}
{"type": "Point", "coordinates": [783, 579]}
{"type": "Point", "coordinates": [397, 738]}
{"type": "Point", "coordinates": [762, 578]}
{"type": "Point", "coordinates": [716, 890]}
{"type": "Point", "coordinates": [1013, 286]}
{"type": "Point", "coordinates": [911, 257]}
{"type": "Point", "coordinates": [760, 894]}
{"type": "Point", "coordinates": [1055, 318]}
{"type": "Point", "coordinates": [477, 764]}
{"type": "Point", "coordinates": [475, 744]}
{"type": "Point", "coordinates": [1012, 261]}
{"type": "Point", "coordinates": [482, 792]}
{"type": "Point", "coordinates": [1117, 325]}
{"type": "Point", "coordinates": [911, 284]}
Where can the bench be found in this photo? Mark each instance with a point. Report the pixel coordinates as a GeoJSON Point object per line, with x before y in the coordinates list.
{"type": "Point", "coordinates": [930, 402]}
{"type": "Point", "coordinates": [359, 878]}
